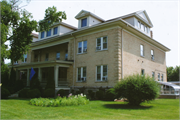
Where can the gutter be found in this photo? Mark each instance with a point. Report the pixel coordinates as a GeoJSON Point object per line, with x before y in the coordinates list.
{"type": "Point", "coordinates": [122, 54]}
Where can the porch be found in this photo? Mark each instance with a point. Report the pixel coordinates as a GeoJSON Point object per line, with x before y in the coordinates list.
{"type": "Point", "coordinates": [59, 69]}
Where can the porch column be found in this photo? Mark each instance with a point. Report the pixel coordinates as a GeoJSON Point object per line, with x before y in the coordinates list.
{"type": "Point", "coordinates": [17, 74]}
{"type": "Point", "coordinates": [39, 74]}
{"type": "Point", "coordinates": [56, 71]}
{"type": "Point", "coordinates": [28, 78]}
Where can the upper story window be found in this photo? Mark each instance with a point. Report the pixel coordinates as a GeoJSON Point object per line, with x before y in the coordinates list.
{"type": "Point", "coordinates": [84, 22]}
{"type": "Point", "coordinates": [81, 74]}
{"type": "Point", "coordinates": [47, 56]}
{"type": "Point", "coordinates": [142, 26]}
{"type": "Point", "coordinates": [16, 62]}
{"type": "Point", "coordinates": [152, 54]}
{"type": "Point", "coordinates": [48, 33]}
{"type": "Point", "coordinates": [25, 58]}
{"type": "Point", "coordinates": [55, 31]}
{"type": "Point", "coordinates": [42, 34]}
{"type": "Point", "coordinates": [58, 56]}
{"type": "Point", "coordinates": [101, 73]}
{"type": "Point", "coordinates": [139, 24]}
{"type": "Point", "coordinates": [142, 50]}
{"type": "Point", "coordinates": [159, 77]}
{"type": "Point", "coordinates": [153, 74]}
{"type": "Point", "coordinates": [82, 47]}
{"type": "Point", "coordinates": [162, 77]}
{"type": "Point", "coordinates": [101, 43]}
{"type": "Point", "coordinates": [142, 71]}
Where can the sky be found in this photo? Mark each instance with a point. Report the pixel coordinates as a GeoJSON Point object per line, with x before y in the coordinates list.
{"type": "Point", "coordinates": [164, 16]}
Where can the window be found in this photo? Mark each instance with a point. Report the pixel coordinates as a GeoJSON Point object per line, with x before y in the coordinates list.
{"type": "Point", "coordinates": [16, 62]}
{"type": "Point", "coordinates": [36, 58]}
{"type": "Point", "coordinates": [101, 73]}
{"type": "Point", "coordinates": [142, 50]}
{"type": "Point", "coordinates": [66, 55]}
{"type": "Point", "coordinates": [46, 57]}
{"type": "Point", "coordinates": [142, 26]}
{"type": "Point", "coordinates": [81, 74]}
{"type": "Point", "coordinates": [25, 58]}
{"type": "Point", "coordinates": [49, 33]}
{"type": "Point", "coordinates": [139, 24]}
{"type": "Point", "coordinates": [55, 30]}
{"type": "Point", "coordinates": [58, 56]}
{"type": "Point", "coordinates": [142, 72]}
{"type": "Point", "coordinates": [84, 22]}
{"type": "Point", "coordinates": [161, 77]}
{"type": "Point", "coordinates": [145, 29]}
{"type": "Point", "coordinates": [152, 54]}
{"type": "Point", "coordinates": [82, 47]}
{"type": "Point", "coordinates": [42, 34]}
{"type": "Point", "coordinates": [101, 43]}
{"type": "Point", "coordinates": [153, 74]}
{"type": "Point", "coordinates": [158, 76]}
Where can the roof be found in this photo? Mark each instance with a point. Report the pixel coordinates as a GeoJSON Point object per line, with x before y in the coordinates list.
{"type": "Point", "coordinates": [176, 87]}
{"type": "Point", "coordinates": [137, 14]}
{"type": "Point", "coordinates": [83, 13]}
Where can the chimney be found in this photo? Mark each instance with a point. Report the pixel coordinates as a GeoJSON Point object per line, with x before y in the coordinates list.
{"type": "Point", "coordinates": [151, 33]}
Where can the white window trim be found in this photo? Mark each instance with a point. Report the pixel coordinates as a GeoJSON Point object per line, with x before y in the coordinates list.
{"type": "Point", "coordinates": [57, 31]}
{"type": "Point", "coordinates": [102, 43]}
{"type": "Point", "coordinates": [154, 74]}
{"type": "Point", "coordinates": [162, 77]}
{"type": "Point", "coordinates": [101, 73]}
{"type": "Point", "coordinates": [159, 77]}
{"type": "Point", "coordinates": [24, 59]}
{"type": "Point", "coordinates": [143, 51]}
{"type": "Point", "coordinates": [143, 73]}
{"type": "Point", "coordinates": [82, 50]}
{"type": "Point", "coordinates": [153, 55]}
{"type": "Point", "coordinates": [81, 74]}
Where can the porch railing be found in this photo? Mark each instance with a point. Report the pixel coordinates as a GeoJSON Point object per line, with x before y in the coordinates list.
{"type": "Point", "coordinates": [169, 91]}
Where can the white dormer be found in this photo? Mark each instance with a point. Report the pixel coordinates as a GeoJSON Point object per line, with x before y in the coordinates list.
{"type": "Point", "coordinates": [55, 30]}
{"type": "Point", "coordinates": [86, 18]}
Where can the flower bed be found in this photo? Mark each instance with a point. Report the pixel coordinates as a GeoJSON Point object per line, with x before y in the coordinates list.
{"type": "Point", "coordinates": [59, 101]}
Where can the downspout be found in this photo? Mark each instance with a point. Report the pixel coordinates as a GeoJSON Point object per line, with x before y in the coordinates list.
{"type": "Point", "coordinates": [122, 54]}
{"type": "Point", "coordinates": [74, 62]}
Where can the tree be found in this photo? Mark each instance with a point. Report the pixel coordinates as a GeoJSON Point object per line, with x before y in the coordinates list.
{"type": "Point", "coordinates": [173, 73]}
{"type": "Point", "coordinates": [17, 26]}
{"type": "Point", "coordinates": [137, 89]}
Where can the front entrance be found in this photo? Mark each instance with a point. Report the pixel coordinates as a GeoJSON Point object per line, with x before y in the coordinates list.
{"type": "Point", "coordinates": [62, 80]}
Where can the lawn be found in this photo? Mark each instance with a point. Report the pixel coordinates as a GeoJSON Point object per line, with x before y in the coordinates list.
{"type": "Point", "coordinates": [158, 109]}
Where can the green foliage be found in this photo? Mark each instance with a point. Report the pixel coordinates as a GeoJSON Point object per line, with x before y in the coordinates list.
{"type": "Point", "coordinates": [61, 93]}
{"type": "Point", "coordinates": [110, 94]}
{"type": "Point", "coordinates": [173, 73]}
{"type": "Point", "coordinates": [100, 95]}
{"type": "Point", "coordinates": [82, 89]}
{"type": "Point", "coordinates": [59, 101]}
{"type": "Point", "coordinates": [18, 85]}
{"type": "Point", "coordinates": [4, 93]}
{"type": "Point", "coordinates": [91, 94]}
{"type": "Point", "coordinates": [23, 93]}
{"type": "Point", "coordinates": [137, 89]}
{"type": "Point", "coordinates": [35, 84]}
{"type": "Point", "coordinates": [34, 93]}
{"type": "Point", "coordinates": [49, 93]}
{"type": "Point", "coordinates": [51, 16]}
{"type": "Point", "coordinates": [5, 75]}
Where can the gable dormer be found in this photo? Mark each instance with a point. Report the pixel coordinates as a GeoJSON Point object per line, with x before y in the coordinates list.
{"type": "Point", "coordinates": [86, 18]}
{"type": "Point", "coordinates": [140, 20]}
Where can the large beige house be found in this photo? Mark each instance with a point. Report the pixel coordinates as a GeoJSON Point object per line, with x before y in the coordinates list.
{"type": "Point", "coordinates": [97, 53]}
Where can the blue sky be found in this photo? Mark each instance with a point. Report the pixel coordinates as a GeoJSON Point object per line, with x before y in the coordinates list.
{"type": "Point", "coordinates": [164, 16]}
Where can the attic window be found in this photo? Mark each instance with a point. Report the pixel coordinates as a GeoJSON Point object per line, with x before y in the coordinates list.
{"type": "Point", "coordinates": [84, 22]}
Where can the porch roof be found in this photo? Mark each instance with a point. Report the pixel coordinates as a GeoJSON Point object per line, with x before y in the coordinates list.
{"type": "Point", "coordinates": [59, 63]}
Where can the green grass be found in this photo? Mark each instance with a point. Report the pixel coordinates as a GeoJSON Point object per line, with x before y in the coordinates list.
{"type": "Point", "coordinates": [158, 109]}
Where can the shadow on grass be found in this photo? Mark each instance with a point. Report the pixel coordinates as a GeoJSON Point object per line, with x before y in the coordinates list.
{"type": "Point", "coordinates": [125, 106]}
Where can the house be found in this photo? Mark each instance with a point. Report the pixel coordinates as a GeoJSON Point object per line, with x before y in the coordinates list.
{"type": "Point", "coordinates": [98, 53]}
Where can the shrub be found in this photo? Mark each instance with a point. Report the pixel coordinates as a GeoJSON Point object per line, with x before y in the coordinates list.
{"type": "Point", "coordinates": [18, 85]}
{"type": "Point", "coordinates": [34, 93]}
{"type": "Point", "coordinates": [82, 90]}
{"type": "Point", "coordinates": [4, 93]}
{"type": "Point", "coordinates": [77, 92]}
{"type": "Point", "coordinates": [23, 93]}
{"type": "Point", "coordinates": [91, 94]}
{"type": "Point", "coordinates": [137, 89]}
{"type": "Point", "coordinates": [49, 93]}
{"type": "Point", "coordinates": [110, 94]}
{"type": "Point", "coordinates": [35, 84]}
{"type": "Point", "coordinates": [59, 101]}
{"type": "Point", "coordinates": [50, 80]}
{"type": "Point", "coordinates": [100, 95]}
{"type": "Point", "coordinates": [61, 92]}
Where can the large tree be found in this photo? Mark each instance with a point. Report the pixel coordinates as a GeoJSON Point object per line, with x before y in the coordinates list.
{"type": "Point", "coordinates": [173, 73]}
{"type": "Point", "coordinates": [17, 26]}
